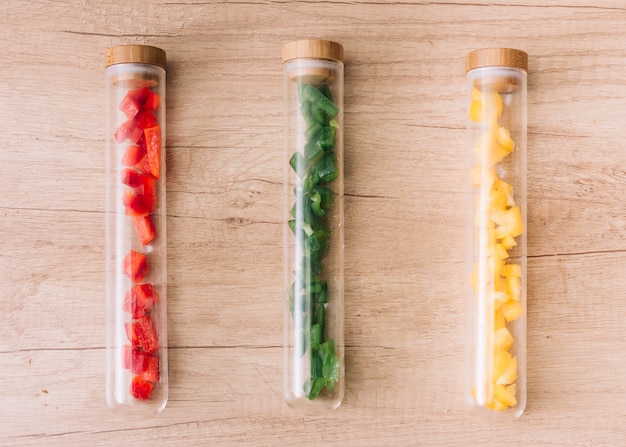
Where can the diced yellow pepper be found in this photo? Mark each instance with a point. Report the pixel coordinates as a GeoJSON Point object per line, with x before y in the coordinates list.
{"type": "Point", "coordinates": [509, 375]}
{"type": "Point", "coordinates": [497, 199]}
{"type": "Point", "coordinates": [483, 176]}
{"type": "Point", "coordinates": [498, 320]}
{"type": "Point", "coordinates": [496, 405]}
{"type": "Point", "coordinates": [501, 363]}
{"type": "Point", "coordinates": [499, 298]}
{"type": "Point", "coordinates": [505, 140]}
{"type": "Point", "coordinates": [503, 339]}
{"type": "Point", "coordinates": [508, 242]}
{"type": "Point", "coordinates": [501, 252]}
{"type": "Point", "coordinates": [511, 310]}
{"type": "Point", "coordinates": [517, 226]}
{"type": "Point", "coordinates": [502, 232]}
{"type": "Point", "coordinates": [507, 189]}
{"type": "Point", "coordinates": [487, 148]}
{"type": "Point", "coordinates": [485, 107]}
{"type": "Point", "coordinates": [514, 286]}
{"type": "Point", "coordinates": [504, 396]}
{"type": "Point", "coordinates": [512, 270]}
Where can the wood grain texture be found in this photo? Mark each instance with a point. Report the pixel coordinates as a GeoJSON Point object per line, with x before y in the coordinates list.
{"type": "Point", "coordinates": [404, 207]}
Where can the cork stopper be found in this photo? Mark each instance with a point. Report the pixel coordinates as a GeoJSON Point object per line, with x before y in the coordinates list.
{"type": "Point", "coordinates": [134, 54]}
{"type": "Point", "coordinates": [497, 57]}
{"type": "Point", "coordinates": [313, 49]}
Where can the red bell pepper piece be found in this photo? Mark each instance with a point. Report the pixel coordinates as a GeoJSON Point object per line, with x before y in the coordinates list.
{"type": "Point", "coordinates": [141, 200]}
{"type": "Point", "coordinates": [145, 229]}
{"type": "Point", "coordinates": [144, 119]}
{"type": "Point", "coordinates": [150, 368]}
{"type": "Point", "coordinates": [128, 130]}
{"type": "Point", "coordinates": [136, 204]}
{"type": "Point", "coordinates": [152, 101]}
{"type": "Point", "coordinates": [146, 334]}
{"type": "Point", "coordinates": [134, 154]}
{"type": "Point", "coordinates": [135, 266]}
{"type": "Point", "coordinates": [130, 106]}
{"type": "Point", "coordinates": [132, 178]}
{"type": "Point", "coordinates": [153, 146]}
{"type": "Point", "coordinates": [140, 299]}
{"type": "Point", "coordinates": [130, 334]}
{"type": "Point", "coordinates": [127, 356]}
{"type": "Point", "coordinates": [140, 388]}
{"type": "Point", "coordinates": [139, 95]}
{"type": "Point", "coordinates": [147, 366]}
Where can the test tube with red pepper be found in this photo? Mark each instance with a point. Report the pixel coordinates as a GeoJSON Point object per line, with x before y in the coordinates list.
{"type": "Point", "coordinates": [135, 239]}
{"type": "Point", "coordinates": [313, 226]}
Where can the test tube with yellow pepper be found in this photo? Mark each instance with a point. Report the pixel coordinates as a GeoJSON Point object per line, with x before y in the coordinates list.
{"type": "Point", "coordinates": [496, 239]}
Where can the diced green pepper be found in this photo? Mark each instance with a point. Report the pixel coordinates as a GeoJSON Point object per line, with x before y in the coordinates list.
{"type": "Point", "coordinates": [316, 203]}
{"type": "Point", "coordinates": [313, 132]}
{"type": "Point", "coordinates": [318, 99]}
{"type": "Point", "coordinates": [313, 151]}
{"type": "Point", "coordinates": [316, 364]}
{"type": "Point", "coordinates": [330, 360]}
{"type": "Point", "coordinates": [325, 90]}
{"type": "Point", "coordinates": [326, 168]}
{"type": "Point", "coordinates": [298, 164]}
{"type": "Point", "coordinates": [326, 196]}
{"type": "Point", "coordinates": [316, 336]}
{"type": "Point", "coordinates": [320, 316]}
{"type": "Point", "coordinates": [327, 137]}
{"type": "Point", "coordinates": [316, 387]}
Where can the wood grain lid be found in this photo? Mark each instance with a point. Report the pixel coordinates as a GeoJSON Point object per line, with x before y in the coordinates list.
{"type": "Point", "coordinates": [313, 49]}
{"type": "Point", "coordinates": [134, 54]}
{"type": "Point", "coordinates": [497, 57]}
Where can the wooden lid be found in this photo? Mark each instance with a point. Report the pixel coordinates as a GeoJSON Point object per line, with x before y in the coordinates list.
{"type": "Point", "coordinates": [497, 57]}
{"type": "Point", "coordinates": [313, 49]}
{"type": "Point", "coordinates": [134, 54]}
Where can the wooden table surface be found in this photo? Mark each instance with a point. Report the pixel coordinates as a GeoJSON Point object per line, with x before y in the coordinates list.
{"type": "Point", "coordinates": [404, 127]}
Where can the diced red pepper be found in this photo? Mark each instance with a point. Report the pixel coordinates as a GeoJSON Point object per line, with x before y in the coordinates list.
{"type": "Point", "coordinates": [144, 119]}
{"type": "Point", "coordinates": [130, 106]}
{"type": "Point", "coordinates": [134, 154]}
{"type": "Point", "coordinates": [132, 178]}
{"type": "Point", "coordinates": [145, 229]}
{"type": "Point", "coordinates": [136, 204]}
{"type": "Point", "coordinates": [153, 146]}
{"type": "Point", "coordinates": [140, 299]}
{"type": "Point", "coordinates": [141, 200]}
{"type": "Point", "coordinates": [130, 334]}
{"type": "Point", "coordinates": [140, 388]}
{"type": "Point", "coordinates": [146, 334]}
{"type": "Point", "coordinates": [139, 95]}
{"type": "Point", "coordinates": [135, 266]}
{"type": "Point", "coordinates": [147, 366]}
{"type": "Point", "coordinates": [150, 367]}
{"type": "Point", "coordinates": [127, 356]}
{"type": "Point", "coordinates": [152, 101]}
{"type": "Point", "coordinates": [128, 130]}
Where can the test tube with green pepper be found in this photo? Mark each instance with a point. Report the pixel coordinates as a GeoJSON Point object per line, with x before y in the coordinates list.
{"type": "Point", "coordinates": [313, 226]}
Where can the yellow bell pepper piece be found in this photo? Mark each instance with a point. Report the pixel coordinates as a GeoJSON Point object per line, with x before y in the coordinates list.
{"type": "Point", "coordinates": [512, 270]}
{"type": "Point", "coordinates": [503, 339]}
{"type": "Point", "coordinates": [514, 286]}
{"type": "Point", "coordinates": [503, 395]}
{"type": "Point", "coordinates": [511, 310]}
{"type": "Point", "coordinates": [485, 106]}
